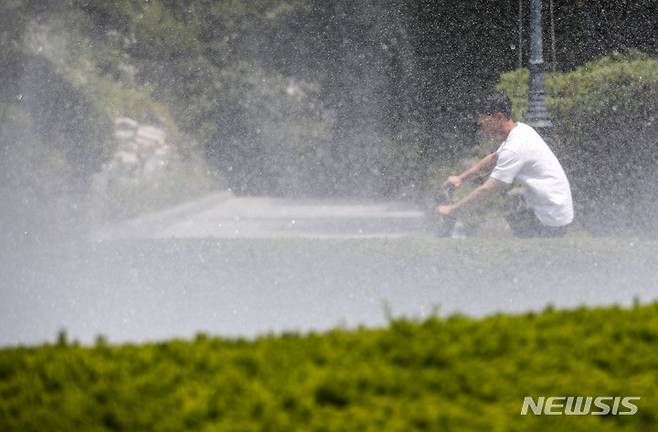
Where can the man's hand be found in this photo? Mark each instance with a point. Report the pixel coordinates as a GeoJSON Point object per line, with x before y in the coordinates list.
{"type": "Point", "coordinates": [482, 192]}
{"type": "Point", "coordinates": [485, 164]}
{"type": "Point", "coordinates": [446, 210]}
{"type": "Point", "coordinates": [454, 181]}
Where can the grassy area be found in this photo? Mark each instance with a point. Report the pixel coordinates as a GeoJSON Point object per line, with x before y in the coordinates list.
{"type": "Point", "coordinates": [494, 247]}
{"type": "Point", "coordinates": [577, 254]}
{"type": "Point", "coordinates": [453, 373]}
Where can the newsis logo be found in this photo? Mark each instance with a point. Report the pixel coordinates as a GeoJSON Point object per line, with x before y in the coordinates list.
{"type": "Point", "coordinates": [580, 405]}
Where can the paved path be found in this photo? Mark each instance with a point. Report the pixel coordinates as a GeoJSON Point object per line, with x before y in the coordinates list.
{"type": "Point", "coordinates": [222, 215]}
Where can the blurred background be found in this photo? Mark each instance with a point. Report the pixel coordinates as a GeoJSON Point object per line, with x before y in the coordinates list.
{"type": "Point", "coordinates": [137, 137]}
{"type": "Point", "coordinates": [112, 108]}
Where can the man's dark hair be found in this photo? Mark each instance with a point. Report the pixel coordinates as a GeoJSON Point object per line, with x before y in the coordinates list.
{"type": "Point", "coordinates": [495, 103]}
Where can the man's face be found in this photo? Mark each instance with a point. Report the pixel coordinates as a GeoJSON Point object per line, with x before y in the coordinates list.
{"type": "Point", "coordinates": [492, 124]}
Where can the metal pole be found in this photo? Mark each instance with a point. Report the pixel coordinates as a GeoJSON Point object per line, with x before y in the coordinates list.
{"type": "Point", "coordinates": [553, 53]}
{"type": "Point", "coordinates": [520, 34]}
{"type": "Point", "coordinates": [537, 115]}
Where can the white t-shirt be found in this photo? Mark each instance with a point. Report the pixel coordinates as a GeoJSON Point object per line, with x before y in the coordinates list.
{"type": "Point", "coordinates": [525, 156]}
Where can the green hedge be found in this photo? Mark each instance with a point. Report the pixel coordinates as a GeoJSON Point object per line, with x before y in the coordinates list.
{"type": "Point", "coordinates": [454, 373]}
{"type": "Point", "coordinates": [606, 117]}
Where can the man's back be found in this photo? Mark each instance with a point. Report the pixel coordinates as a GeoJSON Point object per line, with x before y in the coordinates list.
{"type": "Point", "coordinates": [526, 157]}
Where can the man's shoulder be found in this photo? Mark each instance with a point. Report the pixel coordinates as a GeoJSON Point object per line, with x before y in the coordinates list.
{"type": "Point", "coordinates": [522, 137]}
{"type": "Point", "coordinates": [522, 130]}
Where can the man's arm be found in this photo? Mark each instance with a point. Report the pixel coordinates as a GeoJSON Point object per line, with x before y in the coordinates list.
{"type": "Point", "coordinates": [483, 164]}
{"type": "Point", "coordinates": [474, 198]}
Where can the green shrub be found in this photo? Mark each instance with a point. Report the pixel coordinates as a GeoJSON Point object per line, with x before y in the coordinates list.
{"type": "Point", "coordinates": [454, 373]}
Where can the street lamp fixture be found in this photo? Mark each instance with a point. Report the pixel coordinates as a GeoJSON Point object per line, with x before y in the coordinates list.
{"type": "Point", "coordinates": [537, 115]}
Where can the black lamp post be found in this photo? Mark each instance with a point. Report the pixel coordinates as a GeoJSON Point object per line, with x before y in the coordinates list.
{"type": "Point", "coordinates": [537, 115]}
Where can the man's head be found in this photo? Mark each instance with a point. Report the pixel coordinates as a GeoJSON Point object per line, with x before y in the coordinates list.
{"type": "Point", "coordinates": [495, 115]}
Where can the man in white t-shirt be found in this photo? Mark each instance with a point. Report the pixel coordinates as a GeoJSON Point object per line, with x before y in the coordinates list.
{"type": "Point", "coordinates": [525, 157]}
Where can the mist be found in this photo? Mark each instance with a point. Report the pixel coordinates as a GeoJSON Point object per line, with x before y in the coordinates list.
{"type": "Point", "coordinates": [169, 168]}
